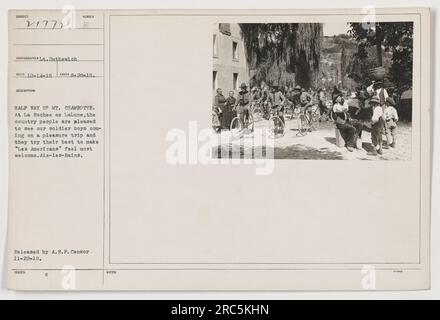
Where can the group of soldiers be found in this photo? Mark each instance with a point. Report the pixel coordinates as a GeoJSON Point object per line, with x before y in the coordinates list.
{"type": "Point", "coordinates": [368, 108]}
{"type": "Point", "coordinates": [272, 99]}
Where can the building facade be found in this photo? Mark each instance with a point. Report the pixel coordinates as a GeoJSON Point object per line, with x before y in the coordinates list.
{"type": "Point", "coordinates": [229, 59]}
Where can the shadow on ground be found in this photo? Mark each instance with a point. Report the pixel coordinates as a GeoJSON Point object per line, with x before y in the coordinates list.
{"type": "Point", "coordinates": [296, 151]}
{"type": "Point", "coordinates": [331, 140]}
{"type": "Point", "coordinates": [367, 146]}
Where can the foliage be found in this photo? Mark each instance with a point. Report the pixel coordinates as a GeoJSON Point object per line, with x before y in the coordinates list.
{"type": "Point", "coordinates": [395, 38]}
{"type": "Point", "coordinates": [282, 53]}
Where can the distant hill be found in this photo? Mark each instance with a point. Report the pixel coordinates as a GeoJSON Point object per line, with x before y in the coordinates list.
{"type": "Point", "coordinates": [335, 68]}
{"type": "Point", "coordinates": [332, 60]}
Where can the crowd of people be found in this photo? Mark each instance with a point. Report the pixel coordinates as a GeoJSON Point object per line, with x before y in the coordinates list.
{"type": "Point", "coordinates": [369, 108]}
{"type": "Point", "coordinates": [272, 99]}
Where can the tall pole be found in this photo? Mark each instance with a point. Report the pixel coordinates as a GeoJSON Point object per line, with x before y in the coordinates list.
{"type": "Point", "coordinates": [379, 39]}
{"type": "Point", "coordinates": [379, 54]}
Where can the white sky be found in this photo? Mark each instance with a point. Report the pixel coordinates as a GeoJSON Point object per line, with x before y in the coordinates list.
{"type": "Point", "coordinates": [335, 28]}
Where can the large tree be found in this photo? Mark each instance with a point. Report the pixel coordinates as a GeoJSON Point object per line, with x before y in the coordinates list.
{"type": "Point", "coordinates": [282, 53]}
{"type": "Point", "coordinates": [393, 37]}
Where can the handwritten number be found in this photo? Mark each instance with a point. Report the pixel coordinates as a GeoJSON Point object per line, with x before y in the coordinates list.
{"type": "Point", "coordinates": [44, 24]}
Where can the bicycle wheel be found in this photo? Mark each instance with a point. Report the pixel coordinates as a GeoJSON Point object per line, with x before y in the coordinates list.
{"type": "Point", "coordinates": [303, 124]}
{"type": "Point", "coordinates": [257, 113]}
{"type": "Point", "coordinates": [276, 127]}
{"type": "Point", "coordinates": [236, 126]}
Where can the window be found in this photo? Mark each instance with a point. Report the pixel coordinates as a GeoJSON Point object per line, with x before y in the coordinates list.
{"type": "Point", "coordinates": [235, 81]}
{"type": "Point", "coordinates": [234, 50]}
{"type": "Point", "coordinates": [214, 80]}
{"type": "Point", "coordinates": [215, 45]}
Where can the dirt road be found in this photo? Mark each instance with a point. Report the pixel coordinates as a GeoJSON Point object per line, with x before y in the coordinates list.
{"type": "Point", "coordinates": [321, 144]}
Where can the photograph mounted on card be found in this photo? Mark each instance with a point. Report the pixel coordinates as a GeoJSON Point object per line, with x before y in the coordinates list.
{"type": "Point", "coordinates": [195, 150]}
{"type": "Point", "coordinates": [326, 91]}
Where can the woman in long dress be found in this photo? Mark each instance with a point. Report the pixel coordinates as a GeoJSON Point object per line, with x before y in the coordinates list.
{"type": "Point", "coordinates": [220, 103]}
{"type": "Point", "coordinates": [217, 111]}
{"type": "Point", "coordinates": [228, 114]}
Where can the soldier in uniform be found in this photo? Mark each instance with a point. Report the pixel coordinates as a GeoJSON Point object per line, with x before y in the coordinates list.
{"type": "Point", "coordinates": [242, 104]}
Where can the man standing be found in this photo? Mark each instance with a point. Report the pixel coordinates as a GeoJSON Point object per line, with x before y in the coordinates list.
{"type": "Point", "coordinates": [242, 104]}
{"type": "Point", "coordinates": [377, 125]}
{"type": "Point", "coordinates": [219, 103]}
{"type": "Point", "coordinates": [377, 89]}
{"type": "Point", "coordinates": [306, 104]}
{"type": "Point", "coordinates": [266, 101]}
{"type": "Point", "coordinates": [296, 94]}
{"type": "Point", "coordinates": [278, 102]}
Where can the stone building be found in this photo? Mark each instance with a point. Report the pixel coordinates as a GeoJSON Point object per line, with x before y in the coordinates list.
{"type": "Point", "coordinates": [229, 60]}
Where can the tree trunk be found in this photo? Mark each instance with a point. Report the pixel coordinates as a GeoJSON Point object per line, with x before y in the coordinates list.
{"type": "Point", "coordinates": [379, 39]}
{"type": "Point", "coordinates": [379, 54]}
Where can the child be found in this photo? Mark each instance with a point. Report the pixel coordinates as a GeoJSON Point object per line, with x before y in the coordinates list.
{"type": "Point", "coordinates": [391, 118]}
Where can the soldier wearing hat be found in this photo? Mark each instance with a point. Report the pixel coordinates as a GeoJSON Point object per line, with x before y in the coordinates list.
{"type": "Point", "coordinates": [243, 101]}
{"type": "Point", "coordinates": [296, 95]}
{"type": "Point", "coordinates": [266, 100]}
{"type": "Point", "coordinates": [391, 117]}
{"type": "Point", "coordinates": [305, 99]}
{"type": "Point", "coordinates": [278, 100]}
{"type": "Point", "coordinates": [255, 94]}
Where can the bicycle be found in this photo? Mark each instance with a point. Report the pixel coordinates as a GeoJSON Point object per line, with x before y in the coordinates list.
{"type": "Point", "coordinates": [308, 119]}
{"type": "Point", "coordinates": [238, 126]}
{"type": "Point", "coordinates": [315, 117]}
{"type": "Point", "coordinates": [277, 125]}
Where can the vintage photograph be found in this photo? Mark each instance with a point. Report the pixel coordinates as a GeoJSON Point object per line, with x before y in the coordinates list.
{"type": "Point", "coordinates": [119, 178]}
{"type": "Point", "coordinates": [327, 91]}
